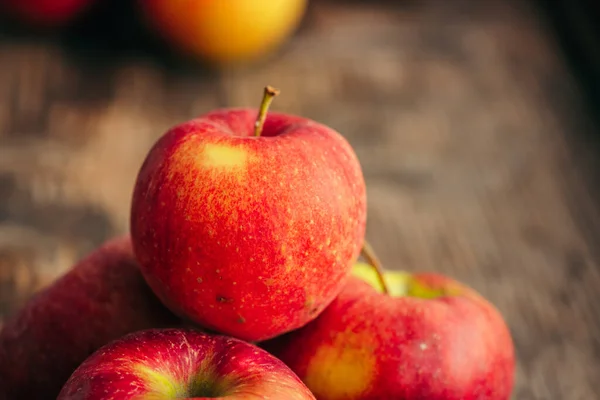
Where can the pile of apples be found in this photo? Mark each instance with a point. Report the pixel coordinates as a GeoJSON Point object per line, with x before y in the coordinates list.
{"type": "Point", "coordinates": [217, 32]}
{"type": "Point", "coordinates": [242, 278]}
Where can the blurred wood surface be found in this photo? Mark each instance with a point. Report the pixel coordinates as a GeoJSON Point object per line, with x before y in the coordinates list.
{"type": "Point", "coordinates": [475, 142]}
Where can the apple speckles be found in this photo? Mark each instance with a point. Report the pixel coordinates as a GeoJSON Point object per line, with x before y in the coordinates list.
{"type": "Point", "coordinates": [423, 346]}
{"type": "Point", "coordinates": [270, 282]}
{"type": "Point", "coordinates": [223, 299]}
{"type": "Point", "coordinates": [309, 303]}
{"type": "Point", "coordinates": [199, 280]}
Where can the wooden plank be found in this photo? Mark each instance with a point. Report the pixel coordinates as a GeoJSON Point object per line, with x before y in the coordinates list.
{"type": "Point", "coordinates": [477, 151]}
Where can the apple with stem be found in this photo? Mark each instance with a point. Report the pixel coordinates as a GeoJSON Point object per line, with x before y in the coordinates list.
{"type": "Point", "coordinates": [248, 223]}
{"type": "Point", "coordinates": [182, 364]}
{"type": "Point", "coordinates": [427, 337]}
{"type": "Point", "coordinates": [103, 297]}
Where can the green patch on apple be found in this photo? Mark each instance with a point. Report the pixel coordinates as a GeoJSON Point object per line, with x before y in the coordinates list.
{"type": "Point", "coordinates": [162, 384]}
{"type": "Point", "coordinates": [400, 283]}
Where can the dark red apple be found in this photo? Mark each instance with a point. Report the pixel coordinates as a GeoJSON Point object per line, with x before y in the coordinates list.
{"type": "Point", "coordinates": [44, 13]}
{"type": "Point", "coordinates": [182, 364]}
{"type": "Point", "coordinates": [430, 338]}
{"type": "Point", "coordinates": [249, 224]}
{"type": "Point", "coordinates": [100, 299]}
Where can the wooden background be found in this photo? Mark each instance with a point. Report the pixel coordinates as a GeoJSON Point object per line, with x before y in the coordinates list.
{"type": "Point", "coordinates": [474, 139]}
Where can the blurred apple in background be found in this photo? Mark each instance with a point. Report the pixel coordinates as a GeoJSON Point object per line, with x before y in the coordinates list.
{"type": "Point", "coordinates": [430, 338]}
{"type": "Point", "coordinates": [44, 13]}
{"type": "Point", "coordinates": [224, 32]}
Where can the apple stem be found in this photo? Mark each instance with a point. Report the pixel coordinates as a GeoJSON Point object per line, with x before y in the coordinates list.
{"type": "Point", "coordinates": [369, 255]}
{"type": "Point", "coordinates": [269, 94]}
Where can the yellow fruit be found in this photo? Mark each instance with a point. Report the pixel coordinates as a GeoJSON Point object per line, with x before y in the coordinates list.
{"type": "Point", "coordinates": [225, 31]}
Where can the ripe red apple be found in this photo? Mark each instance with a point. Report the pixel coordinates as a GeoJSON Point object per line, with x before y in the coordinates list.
{"type": "Point", "coordinates": [44, 13]}
{"type": "Point", "coordinates": [182, 364]}
{"type": "Point", "coordinates": [430, 338]}
{"type": "Point", "coordinates": [249, 226]}
{"type": "Point", "coordinates": [100, 299]}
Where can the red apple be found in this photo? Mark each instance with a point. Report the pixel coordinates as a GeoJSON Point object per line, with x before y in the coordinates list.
{"type": "Point", "coordinates": [44, 12]}
{"type": "Point", "coordinates": [100, 299]}
{"type": "Point", "coordinates": [430, 338]}
{"type": "Point", "coordinates": [182, 364]}
{"type": "Point", "coordinates": [249, 230]}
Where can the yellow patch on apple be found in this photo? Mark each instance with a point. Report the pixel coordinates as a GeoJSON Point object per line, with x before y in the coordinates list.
{"type": "Point", "coordinates": [223, 156]}
{"type": "Point", "coordinates": [210, 157]}
{"type": "Point", "coordinates": [343, 369]}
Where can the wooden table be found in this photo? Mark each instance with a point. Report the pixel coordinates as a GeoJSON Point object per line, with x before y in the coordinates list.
{"type": "Point", "coordinates": [474, 138]}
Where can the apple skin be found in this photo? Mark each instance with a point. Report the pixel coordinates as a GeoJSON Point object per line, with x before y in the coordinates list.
{"type": "Point", "coordinates": [435, 339]}
{"type": "Point", "coordinates": [45, 13]}
{"type": "Point", "coordinates": [103, 297]}
{"type": "Point", "coordinates": [182, 363]}
{"type": "Point", "coordinates": [224, 32]}
{"type": "Point", "coordinates": [248, 236]}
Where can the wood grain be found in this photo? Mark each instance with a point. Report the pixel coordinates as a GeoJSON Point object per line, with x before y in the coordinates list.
{"type": "Point", "coordinates": [475, 143]}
